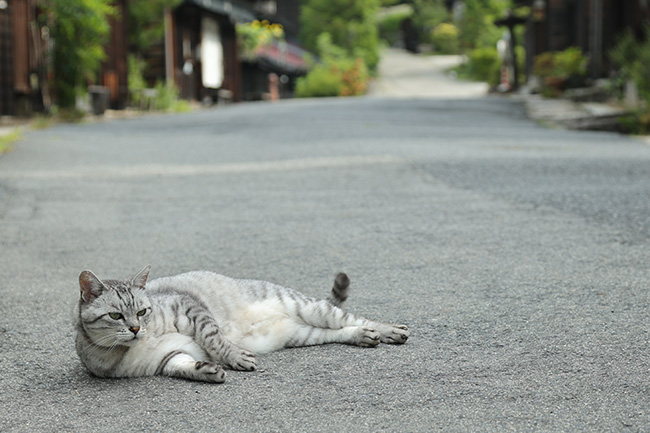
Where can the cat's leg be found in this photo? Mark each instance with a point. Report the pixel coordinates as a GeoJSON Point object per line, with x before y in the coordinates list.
{"type": "Point", "coordinates": [180, 364]}
{"type": "Point", "coordinates": [208, 335]}
{"type": "Point", "coordinates": [322, 314]}
{"type": "Point", "coordinates": [306, 335]}
{"type": "Point", "coordinates": [171, 354]}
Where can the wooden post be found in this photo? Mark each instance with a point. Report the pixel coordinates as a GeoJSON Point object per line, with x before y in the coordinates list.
{"type": "Point", "coordinates": [169, 48]}
{"type": "Point", "coordinates": [597, 38]}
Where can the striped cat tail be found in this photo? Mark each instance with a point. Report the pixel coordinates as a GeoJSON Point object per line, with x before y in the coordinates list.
{"type": "Point", "coordinates": [340, 290]}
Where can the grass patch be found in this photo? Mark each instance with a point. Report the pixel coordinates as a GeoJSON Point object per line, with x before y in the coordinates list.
{"type": "Point", "coordinates": [7, 140]}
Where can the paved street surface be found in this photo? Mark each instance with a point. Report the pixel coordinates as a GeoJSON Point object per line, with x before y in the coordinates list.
{"type": "Point", "coordinates": [519, 257]}
{"type": "Point", "coordinates": [403, 75]}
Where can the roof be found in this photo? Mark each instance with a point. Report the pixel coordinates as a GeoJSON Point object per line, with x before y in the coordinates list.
{"type": "Point", "coordinates": [283, 57]}
{"type": "Point", "coordinates": [237, 11]}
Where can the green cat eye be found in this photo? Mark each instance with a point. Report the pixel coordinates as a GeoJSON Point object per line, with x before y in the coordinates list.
{"type": "Point", "coordinates": [141, 312]}
{"type": "Point", "coordinates": [115, 316]}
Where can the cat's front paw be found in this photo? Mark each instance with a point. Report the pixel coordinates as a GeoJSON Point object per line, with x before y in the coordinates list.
{"type": "Point", "coordinates": [243, 360]}
{"type": "Point", "coordinates": [210, 372]}
{"type": "Point", "coordinates": [395, 334]}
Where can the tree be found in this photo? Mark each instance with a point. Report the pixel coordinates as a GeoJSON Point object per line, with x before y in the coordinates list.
{"type": "Point", "coordinates": [80, 29]}
{"type": "Point", "coordinates": [350, 23]}
{"type": "Point", "coordinates": [146, 21]}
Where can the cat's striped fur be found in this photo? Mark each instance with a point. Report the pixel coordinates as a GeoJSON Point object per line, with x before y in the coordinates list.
{"type": "Point", "coordinates": [189, 325]}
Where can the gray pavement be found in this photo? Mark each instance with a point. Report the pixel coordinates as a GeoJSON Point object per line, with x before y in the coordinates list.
{"type": "Point", "coordinates": [518, 256]}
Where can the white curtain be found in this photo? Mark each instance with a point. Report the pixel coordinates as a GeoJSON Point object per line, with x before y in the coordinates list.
{"type": "Point", "coordinates": [211, 54]}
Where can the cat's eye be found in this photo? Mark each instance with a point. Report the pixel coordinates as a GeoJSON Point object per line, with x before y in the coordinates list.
{"type": "Point", "coordinates": [115, 316]}
{"type": "Point", "coordinates": [141, 313]}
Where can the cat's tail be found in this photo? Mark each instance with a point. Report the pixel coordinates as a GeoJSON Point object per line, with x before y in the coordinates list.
{"type": "Point", "coordinates": [340, 290]}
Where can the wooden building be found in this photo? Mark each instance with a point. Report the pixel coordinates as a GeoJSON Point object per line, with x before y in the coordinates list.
{"type": "Point", "coordinates": [593, 25]}
{"type": "Point", "coordinates": [201, 52]}
{"type": "Point", "coordinates": [21, 67]}
{"type": "Point", "coordinates": [114, 72]}
{"type": "Point", "coordinates": [24, 69]}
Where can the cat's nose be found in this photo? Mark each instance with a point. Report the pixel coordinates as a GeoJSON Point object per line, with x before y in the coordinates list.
{"type": "Point", "coordinates": [134, 329]}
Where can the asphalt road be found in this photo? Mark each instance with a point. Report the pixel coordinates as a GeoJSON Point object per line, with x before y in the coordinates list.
{"type": "Point", "coordinates": [517, 255]}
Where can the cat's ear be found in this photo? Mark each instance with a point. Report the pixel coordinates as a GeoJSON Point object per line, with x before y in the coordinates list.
{"type": "Point", "coordinates": [91, 286]}
{"type": "Point", "coordinates": [141, 278]}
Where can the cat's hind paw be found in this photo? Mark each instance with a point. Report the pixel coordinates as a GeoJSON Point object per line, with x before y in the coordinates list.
{"type": "Point", "coordinates": [368, 337]}
{"type": "Point", "coordinates": [395, 334]}
{"type": "Point", "coordinates": [243, 361]}
{"type": "Point", "coordinates": [209, 372]}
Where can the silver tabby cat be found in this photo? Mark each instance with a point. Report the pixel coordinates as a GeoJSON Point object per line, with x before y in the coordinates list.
{"type": "Point", "coordinates": [189, 325]}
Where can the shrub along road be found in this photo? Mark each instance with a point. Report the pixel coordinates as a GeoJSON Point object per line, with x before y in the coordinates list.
{"type": "Point", "coordinates": [517, 255]}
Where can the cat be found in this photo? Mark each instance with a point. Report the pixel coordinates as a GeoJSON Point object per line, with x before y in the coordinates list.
{"type": "Point", "coordinates": [193, 324]}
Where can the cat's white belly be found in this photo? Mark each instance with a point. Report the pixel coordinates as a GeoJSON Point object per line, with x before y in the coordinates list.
{"type": "Point", "coordinates": [260, 327]}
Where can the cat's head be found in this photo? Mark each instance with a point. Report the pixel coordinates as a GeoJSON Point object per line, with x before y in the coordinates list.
{"type": "Point", "coordinates": [114, 312]}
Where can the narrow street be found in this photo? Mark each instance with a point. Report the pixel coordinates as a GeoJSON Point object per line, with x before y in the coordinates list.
{"type": "Point", "coordinates": [403, 75]}
{"type": "Point", "coordinates": [517, 255]}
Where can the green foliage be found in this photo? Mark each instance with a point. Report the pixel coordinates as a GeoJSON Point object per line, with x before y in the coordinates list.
{"type": "Point", "coordinates": [484, 65]}
{"type": "Point", "coordinates": [427, 15]}
{"type": "Point", "coordinates": [255, 34]}
{"type": "Point", "coordinates": [633, 57]}
{"type": "Point", "coordinates": [477, 27]}
{"type": "Point", "coordinates": [389, 24]}
{"type": "Point", "coordinates": [7, 140]}
{"type": "Point", "coordinates": [337, 75]}
{"type": "Point", "coordinates": [350, 24]}
{"type": "Point", "coordinates": [445, 38]}
{"type": "Point", "coordinates": [558, 68]}
{"type": "Point", "coordinates": [146, 22]}
{"type": "Point", "coordinates": [320, 81]}
{"type": "Point", "coordinates": [572, 62]}
{"type": "Point", "coordinates": [80, 29]}
{"type": "Point", "coordinates": [166, 96]}
{"type": "Point", "coordinates": [136, 80]}
{"type": "Point", "coordinates": [567, 63]}
{"type": "Point", "coordinates": [636, 123]}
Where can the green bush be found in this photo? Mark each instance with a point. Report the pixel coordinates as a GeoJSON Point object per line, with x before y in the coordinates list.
{"type": "Point", "coordinates": [560, 69]}
{"type": "Point", "coordinates": [633, 57]}
{"type": "Point", "coordinates": [427, 14]}
{"type": "Point", "coordinates": [389, 25]}
{"type": "Point", "coordinates": [483, 64]}
{"type": "Point", "coordinates": [350, 24]}
{"type": "Point", "coordinates": [337, 75]}
{"type": "Point", "coordinates": [74, 63]}
{"type": "Point", "coordinates": [136, 79]}
{"type": "Point", "coordinates": [335, 78]}
{"type": "Point", "coordinates": [320, 81]}
{"type": "Point", "coordinates": [567, 63]}
{"type": "Point", "coordinates": [445, 38]}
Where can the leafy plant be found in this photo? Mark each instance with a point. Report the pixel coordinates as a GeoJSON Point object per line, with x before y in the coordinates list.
{"type": "Point", "coordinates": [8, 139]}
{"type": "Point", "coordinates": [320, 81]}
{"type": "Point", "coordinates": [80, 29]}
{"type": "Point", "coordinates": [146, 22]}
{"type": "Point", "coordinates": [483, 64]}
{"type": "Point", "coordinates": [633, 57]}
{"type": "Point", "coordinates": [337, 75]}
{"type": "Point", "coordinates": [445, 38]}
{"type": "Point", "coordinates": [389, 24]}
{"type": "Point", "coordinates": [136, 80]}
{"type": "Point", "coordinates": [350, 24]}
{"type": "Point", "coordinates": [476, 26]}
{"type": "Point", "coordinates": [255, 34]}
{"type": "Point", "coordinates": [567, 63]}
